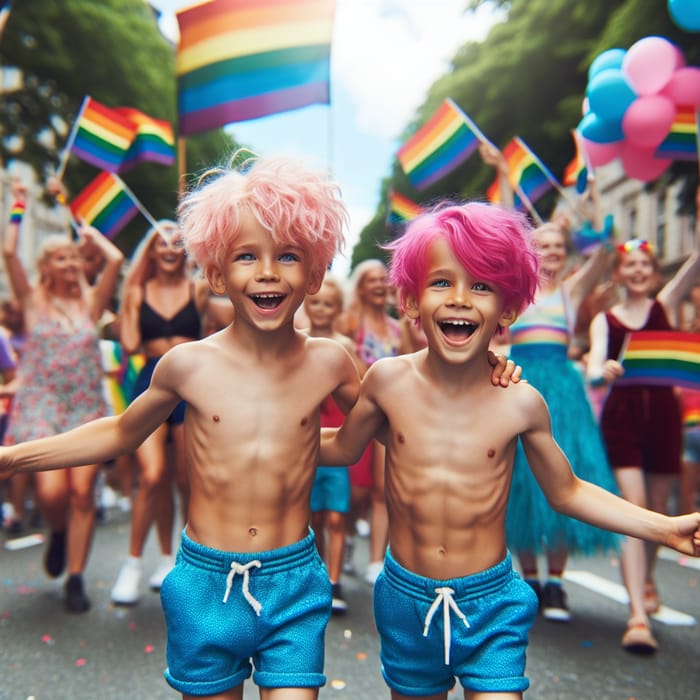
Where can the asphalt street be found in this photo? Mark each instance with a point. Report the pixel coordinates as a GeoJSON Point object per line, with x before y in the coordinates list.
{"type": "Point", "coordinates": [114, 653]}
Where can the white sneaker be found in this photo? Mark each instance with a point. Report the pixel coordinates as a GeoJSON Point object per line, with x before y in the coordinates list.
{"type": "Point", "coordinates": [126, 587]}
{"type": "Point", "coordinates": [108, 497]}
{"type": "Point", "coordinates": [362, 527]}
{"type": "Point", "coordinates": [374, 568]}
{"type": "Point", "coordinates": [165, 564]}
{"type": "Point", "coordinates": [124, 504]}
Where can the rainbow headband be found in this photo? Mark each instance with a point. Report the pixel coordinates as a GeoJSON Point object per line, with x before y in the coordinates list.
{"type": "Point", "coordinates": [635, 244]}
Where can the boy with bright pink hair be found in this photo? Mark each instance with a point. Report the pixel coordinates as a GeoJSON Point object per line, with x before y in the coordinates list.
{"type": "Point", "coordinates": [448, 602]}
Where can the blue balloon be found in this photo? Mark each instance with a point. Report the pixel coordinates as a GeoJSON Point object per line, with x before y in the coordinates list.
{"type": "Point", "coordinates": [686, 14]}
{"type": "Point", "coordinates": [609, 94]}
{"type": "Point", "coordinates": [612, 58]}
{"type": "Point", "coordinates": [598, 130]}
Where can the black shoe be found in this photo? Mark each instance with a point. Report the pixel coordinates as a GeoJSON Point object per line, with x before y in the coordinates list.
{"type": "Point", "coordinates": [338, 604]}
{"type": "Point", "coordinates": [55, 557]}
{"type": "Point", "coordinates": [15, 528]}
{"type": "Point", "coordinates": [76, 600]}
{"type": "Point", "coordinates": [553, 604]}
{"type": "Point", "coordinates": [537, 589]}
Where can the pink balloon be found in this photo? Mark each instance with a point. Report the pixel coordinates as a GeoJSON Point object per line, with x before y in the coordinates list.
{"type": "Point", "coordinates": [640, 163]}
{"type": "Point", "coordinates": [647, 120]}
{"type": "Point", "coordinates": [601, 153]}
{"type": "Point", "coordinates": [684, 87]}
{"type": "Point", "coordinates": [649, 64]}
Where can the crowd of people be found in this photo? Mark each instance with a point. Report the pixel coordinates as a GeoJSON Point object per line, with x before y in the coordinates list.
{"type": "Point", "coordinates": [236, 293]}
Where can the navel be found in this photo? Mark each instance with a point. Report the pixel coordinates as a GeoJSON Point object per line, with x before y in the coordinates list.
{"type": "Point", "coordinates": [253, 531]}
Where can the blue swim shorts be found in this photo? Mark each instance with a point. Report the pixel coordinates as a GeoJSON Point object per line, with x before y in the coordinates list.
{"type": "Point", "coordinates": [224, 609]}
{"type": "Point", "coordinates": [475, 628]}
{"type": "Point", "coordinates": [331, 490]}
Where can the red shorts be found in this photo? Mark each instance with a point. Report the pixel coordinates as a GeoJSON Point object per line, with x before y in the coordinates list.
{"type": "Point", "coordinates": [361, 472]}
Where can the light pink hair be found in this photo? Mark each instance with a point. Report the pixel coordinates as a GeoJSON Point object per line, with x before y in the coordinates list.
{"type": "Point", "coordinates": [493, 244]}
{"type": "Point", "coordinates": [293, 204]}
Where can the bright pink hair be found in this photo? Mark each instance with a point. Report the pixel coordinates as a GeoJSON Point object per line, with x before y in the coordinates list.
{"type": "Point", "coordinates": [493, 244]}
{"type": "Point", "coordinates": [295, 205]}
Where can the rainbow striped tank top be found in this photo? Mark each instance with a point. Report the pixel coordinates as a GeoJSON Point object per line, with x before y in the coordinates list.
{"type": "Point", "coordinates": [543, 323]}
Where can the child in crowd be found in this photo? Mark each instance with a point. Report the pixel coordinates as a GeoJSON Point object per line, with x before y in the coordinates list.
{"type": "Point", "coordinates": [464, 272]}
{"type": "Point", "coordinates": [330, 495]}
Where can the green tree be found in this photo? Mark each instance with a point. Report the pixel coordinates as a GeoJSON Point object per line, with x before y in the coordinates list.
{"type": "Point", "coordinates": [113, 51]}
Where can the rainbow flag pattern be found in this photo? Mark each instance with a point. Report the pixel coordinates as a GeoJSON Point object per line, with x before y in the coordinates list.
{"type": "Point", "coordinates": [402, 209]}
{"type": "Point", "coordinates": [576, 172]}
{"type": "Point", "coordinates": [661, 358]}
{"type": "Point", "coordinates": [681, 143]}
{"type": "Point", "coordinates": [105, 204]}
{"type": "Point", "coordinates": [244, 59]}
{"type": "Point", "coordinates": [447, 139]}
{"type": "Point", "coordinates": [526, 172]}
{"type": "Point", "coordinates": [120, 373]}
{"type": "Point", "coordinates": [154, 140]}
{"type": "Point", "coordinates": [103, 136]}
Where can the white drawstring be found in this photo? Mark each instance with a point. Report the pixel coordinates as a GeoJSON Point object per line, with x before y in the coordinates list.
{"type": "Point", "coordinates": [444, 597]}
{"type": "Point", "coordinates": [243, 569]}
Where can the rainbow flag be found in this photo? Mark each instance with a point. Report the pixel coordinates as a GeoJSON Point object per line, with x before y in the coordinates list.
{"type": "Point", "coordinates": [102, 136]}
{"type": "Point", "coordinates": [120, 374]}
{"type": "Point", "coordinates": [105, 204]}
{"type": "Point", "coordinates": [244, 59]}
{"type": "Point", "coordinates": [661, 358]}
{"type": "Point", "coordinates": [526, 172]}
{"type": "Point", "coordinates": [576, 172]}
{"type": "Point", "coordinates": [681, 143]}
{"type": "Point", "coordinates": [447, 139]}
{"type": "Point", "coordinates": [402, 209]}
{"type": "Point", "coordinates": [154, 140]}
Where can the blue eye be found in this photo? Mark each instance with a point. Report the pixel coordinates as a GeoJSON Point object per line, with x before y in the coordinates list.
{"type": "Point", "coordinates": [440, 283]}
{"type": "Point", "coordinates": [245, 257]}
{"type": "Point", "coordinates": [288, 257]}
{"type": "Point", "coordinates": [481, 287]}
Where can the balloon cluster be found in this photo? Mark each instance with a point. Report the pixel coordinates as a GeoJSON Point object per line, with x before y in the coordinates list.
{"type": "Point", "coordinates": [631, 102]}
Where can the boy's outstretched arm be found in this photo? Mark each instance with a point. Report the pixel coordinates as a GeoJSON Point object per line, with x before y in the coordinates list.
{"type": "Point", "coordinates": [580, 499]}
{"type": "Point", "coordinates": [345, 445]}
{"type": "Point", "coordinates": [94, 442]}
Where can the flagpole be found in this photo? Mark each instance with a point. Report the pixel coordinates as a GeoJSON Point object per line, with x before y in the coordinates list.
{"type": "Point", "coordinates": [71, 138]}
{"type": "Point", "coordinates": [138, 204]}
{"type": "Point", "coordinates": [553, 181]}
{"type": "Point", "coordinates": [530, 206]}
{"type": "Point", "coordinates": [181, 164]}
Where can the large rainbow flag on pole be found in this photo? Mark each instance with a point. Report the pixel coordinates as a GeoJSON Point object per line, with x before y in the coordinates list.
{"type": "Point", "coordinates": [154, 140]}
{"type": "Point", "coordinates": [244, 59]}
{"type": "Point", "coordinates": [661, 358]}
{"type": "Point", "coordinates": [402, 209]}
{"type": "Point", "coordinates": [682, 141]}
{"type": "Point", "coordinates": [106, 203]}
{"type": "Point", "coordinates": [447, 139]}
{"type": "Point", "coordinates": [100, 136]}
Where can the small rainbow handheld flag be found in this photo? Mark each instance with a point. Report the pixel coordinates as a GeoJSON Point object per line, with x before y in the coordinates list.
{"type": "Point", "coordinates": [244, 59]}
{"type": "Point", "coordinates": [661, 358]}
{"type": "Point", "coordinates": [102, 136]}
{"type": "Point", "coordinates": [526, 173]}
{"type": "Point", "coordinates": [681, 143]}
{"type": "Point", "coordinates": [402, 209]}
{"type": "Point", "coordinates": [105, 204]}
{"type": "Point", "coordinates": [154, 140]}
{"type": "Point", "coordinates": [576, 172]}
{"type": "Point", "coordinates": [447, 139]}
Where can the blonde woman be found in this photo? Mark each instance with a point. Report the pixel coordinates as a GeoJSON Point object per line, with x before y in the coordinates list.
{"type": "Point", "coordinates": [60, 381]}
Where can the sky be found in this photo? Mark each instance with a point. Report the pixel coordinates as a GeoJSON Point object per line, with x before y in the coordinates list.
{"type": "Point", "coordinates": [385, 56]}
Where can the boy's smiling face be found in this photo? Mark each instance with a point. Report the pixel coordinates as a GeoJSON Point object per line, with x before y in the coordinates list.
{"type": "Point", "coordinates": [458, 313]}
{"type": "Point", "coordinates": [266, 281]}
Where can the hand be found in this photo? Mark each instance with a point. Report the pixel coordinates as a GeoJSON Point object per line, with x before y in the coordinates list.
{"type": "Point", "coordinates": [19, 190]}
{"type": "Point", "coordinates": [57, 189]}
{"type": "Point", "coordinates": [490, 154]}
{"type": "Point", "coordinates": [686, 535]}
{"type": "Point", "coordinates": [504, 370]}
{"type": "Point", "coordinates": [612, 369]}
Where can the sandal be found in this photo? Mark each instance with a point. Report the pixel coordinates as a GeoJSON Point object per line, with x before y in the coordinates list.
{"type": "Point", "coordinates": [652, 602]}
{"type": "Point", "coordinates": [638, 639]}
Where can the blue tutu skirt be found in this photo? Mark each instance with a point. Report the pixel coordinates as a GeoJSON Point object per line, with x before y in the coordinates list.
{"type": "Point", "coordinates": [531, 524]}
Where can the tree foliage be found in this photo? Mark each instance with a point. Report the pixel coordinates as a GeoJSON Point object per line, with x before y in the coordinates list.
{"type": "Point", "coordinates": [113, 51]}
{"type": "Point", "coordinates": [528, 78]}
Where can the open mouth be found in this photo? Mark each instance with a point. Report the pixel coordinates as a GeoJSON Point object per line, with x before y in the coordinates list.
{"type": "Point", "coordinates": [457, 329]}
{"type": "Point", "coordinates": [267, 301]}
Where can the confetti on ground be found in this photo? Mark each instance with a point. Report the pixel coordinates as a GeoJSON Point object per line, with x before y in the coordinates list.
{"type": "Point", "coordinates": [132, 626]}
{"type": "Point", "coordinates": [80, 662]}
{"type": "Point", "coordinates": [361, 656]}
{"type": "Point", "coordinates": [586, 644]}
{"type": "Point", "coordinates": [47, 639]}
{"type": "Point", "coordinates": [148, 649]}
{"type": "Point", "coordinates": [25, 590]}
{"type": "Point", "coordinates": [24, 542]}
{"type": "Point", "coordinates": [347, 634]}
{"type": "Point", "coordinates": [337, 684]}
